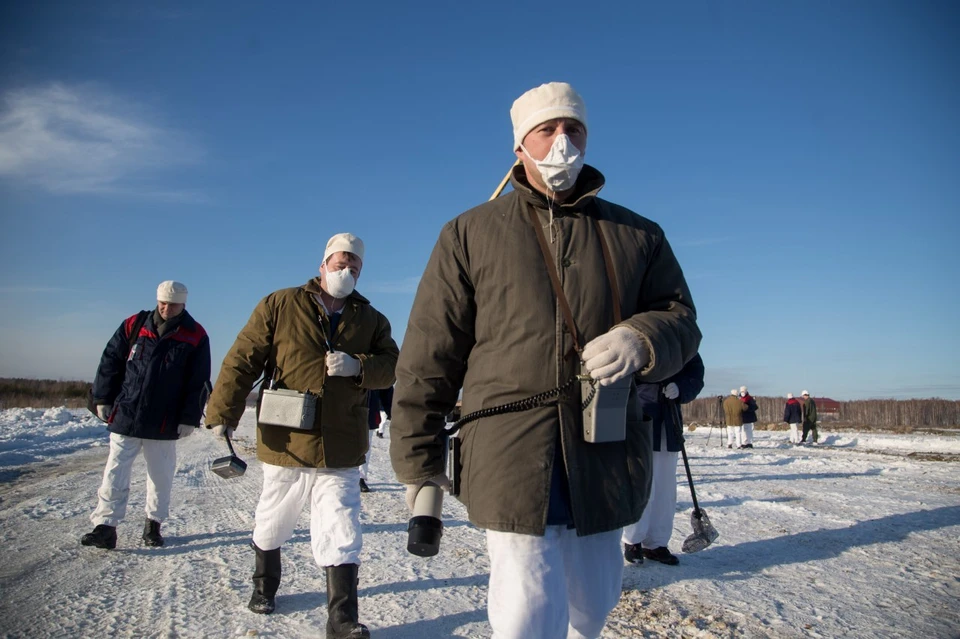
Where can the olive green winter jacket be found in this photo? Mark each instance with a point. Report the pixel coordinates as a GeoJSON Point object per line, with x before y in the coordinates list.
{"type": "Point", "coordinates": [288, 331]}
{"type": "Point", "coordinates": [485, 318]}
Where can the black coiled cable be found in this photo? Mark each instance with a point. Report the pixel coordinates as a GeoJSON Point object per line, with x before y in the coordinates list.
{"type": "Point", "coordinates": [534, 401]}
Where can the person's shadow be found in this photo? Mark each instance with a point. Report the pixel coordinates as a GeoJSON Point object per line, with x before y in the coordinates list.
{"type": "Point", "coordinates": [725, 563]}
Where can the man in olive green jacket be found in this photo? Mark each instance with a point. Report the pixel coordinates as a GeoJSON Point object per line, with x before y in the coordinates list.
{"type": "Point", "coordinates": [809, 410]}
{"type": "Point", "coordinates": [486, 319]}
{"type": "Point", "coordinates": [325, 339]}
{"type": "Point", "coordinates": [733, 410]}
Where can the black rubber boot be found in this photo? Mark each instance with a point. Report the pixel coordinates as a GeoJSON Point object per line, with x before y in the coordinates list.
{"type": "Point", "coordinates": [363, 486]}
{"type": "Point", "coordinates": [103, 536]}
{"type": "Point", "coordinates": [151, 534]}
{"type": "Point", "coordinates": [343, 617]}
{"type": "Point", "coordinates": [266, 581]}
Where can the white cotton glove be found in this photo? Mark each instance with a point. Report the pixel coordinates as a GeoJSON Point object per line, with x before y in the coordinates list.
{"type": "Point", "coordinates": [614, 355]}
{"type": "Point", "coordinates": [342, 365]}
{"type": "Point", "coordinates": [104, 410]}
{"type": "Point", "coordinates": [670, 391]}
{"type": "Point", "coordinates": [185, 430]}
{"type": "Point", "coordinates": [222, 431]}
{"type": "Point", "coordinates": [440, 480]}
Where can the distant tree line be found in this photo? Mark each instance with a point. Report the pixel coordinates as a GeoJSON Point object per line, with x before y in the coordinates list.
{"type": "Point", "coordinates": [42, 393]}
{"type": "Point", "coordinates": [877, 413]}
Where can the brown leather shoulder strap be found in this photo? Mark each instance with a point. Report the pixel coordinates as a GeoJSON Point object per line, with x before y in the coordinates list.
{"type": "Point", "coordinates": [611, 273]}
{"type": "Point", "coordinates": [555, 279]}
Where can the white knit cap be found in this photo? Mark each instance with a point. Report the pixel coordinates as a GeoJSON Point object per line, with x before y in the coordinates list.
{"type": "Point", "coordinates": [172, 292]}
{"type": "Point", "coordinates": [804, 393]}
{"type": "Point", "coordinates": [546, 102]}
{"type": "Point", "coordinates": [743, 389]}
{"type": "Point", "coordinates": [344, 242]}
{"type": "Point", "coordinates": [789, 395]}
{"type": "Point", "coordinates": [733, 391]}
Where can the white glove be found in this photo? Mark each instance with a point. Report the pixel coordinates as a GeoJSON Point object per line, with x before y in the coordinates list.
{"type": "Point", "coordinates": [440, 480]}
{"type": "Point", "coordinates": [342, 365]}
{"type": "Point", "coordinates": [185, 430]}
{"type": "Point", "coordinates": [222, 431]}
{"type": "Point", "coordinates": [670, 391]}
{"type": "Point", "coordinates": [104, 410]}
{"type": "Point", "coordinates": [615, 354]}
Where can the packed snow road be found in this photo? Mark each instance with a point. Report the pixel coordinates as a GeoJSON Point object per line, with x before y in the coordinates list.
{"type": "Point", "coordinates": [827, 541]}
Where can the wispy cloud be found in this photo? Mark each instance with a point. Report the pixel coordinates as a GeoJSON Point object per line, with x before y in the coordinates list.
{"type": "Point", "coordinates": [405, 285]}
{"type": "Point", "coordinates": [83, 139]}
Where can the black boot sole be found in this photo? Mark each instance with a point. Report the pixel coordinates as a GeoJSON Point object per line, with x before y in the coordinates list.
{"type": "Point", "coordinates": [98, 544]}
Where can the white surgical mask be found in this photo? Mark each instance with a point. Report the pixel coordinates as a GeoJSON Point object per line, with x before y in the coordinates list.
{"type": "Point", "coordinates": [340, 283]}
{"type": "Point", "coordinates": [560, 168]}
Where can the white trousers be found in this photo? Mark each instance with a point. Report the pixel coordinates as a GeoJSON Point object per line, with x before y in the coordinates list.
{"type": "Point", "coordinates": [747, 433]}
{"type": "Point", "coordinates": [656, 525]}
{"type": "Point", "coordinates": [365, 468]}
{"type": "Point", "coordinates": [334, 496]}
{"type": "Point", "coordinates": [384, 423]}
{"type": "Point", "coordinates": [161, 458]}
{"type": "Point", "coordinates": [735, 436]}
{"type": "Point", "coordinates": [794, 433]}
{"type": "Point", "coordinates": [554, 586]}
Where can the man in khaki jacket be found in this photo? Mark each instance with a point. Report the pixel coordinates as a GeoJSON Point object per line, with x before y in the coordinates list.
{"type": "Point", "coordinates": [733, 410]}
{"type": "Point", "coordinates": [486, 319]}
{"type": "Point", "coordinates": [326, 339]}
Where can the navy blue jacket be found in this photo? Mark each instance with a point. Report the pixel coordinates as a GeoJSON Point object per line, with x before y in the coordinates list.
{"type": "Point", "coordinates": [378, 400]}
{"type": "Point", "coordinates": [792, 414]}
{"type": "Point", "coordinates": [160, 384]}
{"type": "Point", "coordinates": [749, 415]}
{"type": "Point", "coordinates": [657, 407]}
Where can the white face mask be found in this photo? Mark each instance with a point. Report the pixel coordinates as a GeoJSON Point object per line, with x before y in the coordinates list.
{"type": "Point", "coordinates": [340, 283]}
{"type": "Point", "coordinates": [560, 168]}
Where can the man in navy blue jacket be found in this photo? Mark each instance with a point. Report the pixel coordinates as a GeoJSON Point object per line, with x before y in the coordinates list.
{"type": "Point", "coordinates": [648, 538]}
{"type": "Point", "coordinates": [150, 389]}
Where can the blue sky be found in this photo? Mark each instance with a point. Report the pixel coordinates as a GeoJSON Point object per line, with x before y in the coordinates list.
{"type": "Point", "coordinates": [803, 158]}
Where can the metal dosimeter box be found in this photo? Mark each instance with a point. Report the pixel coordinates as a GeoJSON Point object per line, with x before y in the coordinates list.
{"type": "Point", "coordinates": [605, 417]}
{"type": "Point", "coordinates": [288, 408]}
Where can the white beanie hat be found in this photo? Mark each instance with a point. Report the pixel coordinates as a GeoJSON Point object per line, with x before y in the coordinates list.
{"type": "Point", "coordinates": [743, 389]}
{"type": "Point", "coordinates": [733, 391]}
{"type": "Point", "coordinates": [789, 395]}
{"type": "Point", "coordinates": [804, 393]}
{"type": "Point", "coordinates": [546, 102]}
{"type": "Point", "coordinates": [344, 242]}
{"type": "Point", "coordinates": [172, 292]}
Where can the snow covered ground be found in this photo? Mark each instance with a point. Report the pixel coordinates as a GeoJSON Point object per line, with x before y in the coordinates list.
{"type": "Point", "coordinates": [856, 537]}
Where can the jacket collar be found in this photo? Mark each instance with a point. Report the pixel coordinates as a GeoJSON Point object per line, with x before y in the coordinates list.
{"type": "Point", "coordinates": [184, 319]}
{"type": "Point", "coordinates": [589, 183]}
